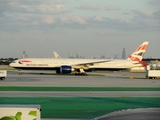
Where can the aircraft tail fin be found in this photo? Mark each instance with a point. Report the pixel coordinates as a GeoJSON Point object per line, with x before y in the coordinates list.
{"type": "Point", "coordinates": [139, 52]}
{"type": "Point", "coordinates": [56, 55]}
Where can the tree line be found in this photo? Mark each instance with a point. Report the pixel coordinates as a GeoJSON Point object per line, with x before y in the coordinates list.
{"type": "Point", "coordinates": [6, 61]}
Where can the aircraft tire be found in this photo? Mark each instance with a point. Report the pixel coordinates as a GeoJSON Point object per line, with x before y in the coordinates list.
{"type": "Point", "coordinates": [20, 73]}
{"type": "Point", "coordinates": [3, 78]}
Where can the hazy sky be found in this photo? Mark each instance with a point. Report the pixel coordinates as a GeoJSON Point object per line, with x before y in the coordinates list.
{"type": "Point", "coordinates": [92, 27]}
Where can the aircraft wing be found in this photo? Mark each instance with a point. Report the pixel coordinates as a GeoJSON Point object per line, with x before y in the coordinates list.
{"type": "Point", "coordinates": [88, 64]}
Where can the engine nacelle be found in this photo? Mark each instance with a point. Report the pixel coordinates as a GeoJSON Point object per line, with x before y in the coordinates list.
{"type": "Point", "coordinates": [66, 69]}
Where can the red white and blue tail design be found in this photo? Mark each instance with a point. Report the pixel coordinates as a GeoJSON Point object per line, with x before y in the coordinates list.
{"type": "Point", "coordinates": [139, 53]}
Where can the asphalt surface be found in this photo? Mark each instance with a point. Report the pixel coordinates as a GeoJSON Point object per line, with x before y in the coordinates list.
{"type": "Point", "coordinates": [80, 94]}
{"type": "Point", "coordinates": [133, 114]}
{"type": "Point", "coordinates": [118, 79]}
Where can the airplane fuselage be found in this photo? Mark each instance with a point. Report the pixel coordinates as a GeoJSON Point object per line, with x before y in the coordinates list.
{"type": "Point", "coordinates": [54, 64]}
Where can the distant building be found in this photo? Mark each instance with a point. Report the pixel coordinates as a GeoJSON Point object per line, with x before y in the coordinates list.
{"type": "Point", "coordinates": [77, 55]}
{"type": "Point", "coordinates": [24, 52]}
{"type": "Point", "coordinates": [70, 55]}
{"type": "Point", "coordinates": [115, 57]}
{"type": "Point", "coordinates": [103, 57]}
{"type": "Point", "coordinates": [93, 57]}
{"type": "Point", "coordinates": [24, 55]}
{"type": "Point", "coordinates": [124, 53]}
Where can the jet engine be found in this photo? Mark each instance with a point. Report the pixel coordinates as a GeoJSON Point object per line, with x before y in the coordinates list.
{"type": "Point", "coordinates": [65, 69]}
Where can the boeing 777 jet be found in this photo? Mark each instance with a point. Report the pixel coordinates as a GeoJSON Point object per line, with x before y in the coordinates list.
{"type": "Point", "coordinates": [79, 66]}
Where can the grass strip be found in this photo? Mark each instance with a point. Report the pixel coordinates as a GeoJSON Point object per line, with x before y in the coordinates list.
{"type": "Point", "coordinates": [34, 88]}
{"type": "Point", "coordinates": [82, 108]}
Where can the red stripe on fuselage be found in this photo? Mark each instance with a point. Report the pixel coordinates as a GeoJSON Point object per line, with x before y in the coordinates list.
{"type": "Point", "coordinates": [25, 61]}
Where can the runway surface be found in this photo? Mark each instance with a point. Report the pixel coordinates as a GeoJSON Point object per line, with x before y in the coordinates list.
{"type": "Point", "coordinates": [80, 94]}
{"type": "Point", "coordinates": [118, 79]}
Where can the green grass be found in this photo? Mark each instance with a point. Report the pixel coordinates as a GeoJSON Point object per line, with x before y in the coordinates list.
{"type": "Point", "coordinates": [34, 88]}
{"type": "Point", "coordinates": [7, 68]}
{"type": "Point", "coordinates": [84, 108]}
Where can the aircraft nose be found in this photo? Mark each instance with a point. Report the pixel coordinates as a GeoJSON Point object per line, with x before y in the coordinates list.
{"type": "Point", "coordinates": [10, 65]}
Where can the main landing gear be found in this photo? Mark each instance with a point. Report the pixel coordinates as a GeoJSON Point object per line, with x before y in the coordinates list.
{"type": "Point", "coordinates": [20, 72]}
{"type": "Point", "coordinates": [80, 72]}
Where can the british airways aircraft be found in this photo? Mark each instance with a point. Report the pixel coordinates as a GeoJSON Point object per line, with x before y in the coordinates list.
{"type": "Point", "coordinates": [79, 66]}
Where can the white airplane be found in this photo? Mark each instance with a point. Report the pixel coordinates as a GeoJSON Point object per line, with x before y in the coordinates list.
{"type": "Point", "coordinates": [79, 66]}
{"type": "Point", "coordinates": [56, 55]}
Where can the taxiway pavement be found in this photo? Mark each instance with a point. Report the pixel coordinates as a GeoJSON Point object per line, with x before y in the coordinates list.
{"type": "Point", "coordinates": [119, 79]}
